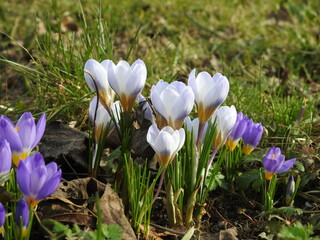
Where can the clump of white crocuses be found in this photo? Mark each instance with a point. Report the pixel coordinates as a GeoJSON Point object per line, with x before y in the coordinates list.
{"type": "Point", "coordinates": [185, 147]}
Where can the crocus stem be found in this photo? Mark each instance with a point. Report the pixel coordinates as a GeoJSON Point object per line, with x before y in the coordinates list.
{"type": "Point", "coordinates": [160, 185]}
{"type": "Point", "coordinates": [94, 158]}
{"type": "Point", "coordinates": [215, 150]}
{"type": "Point", "coordinates": [200, 132]}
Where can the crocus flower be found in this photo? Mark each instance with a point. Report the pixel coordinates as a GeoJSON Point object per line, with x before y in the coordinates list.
{"type": "Point", "coordinates": [274, 163]}
{"type": "Point", "coordinates": [100, 117]}
{"type": "Point", "coordinates": [2, 217]}
{"type": "Point", "coordinates": [147, 111]}
{"type": "Point", "coordinates": [173, 102]}
{"type": "Point", "coordinates": [237, 131]}
{"type": "Point", "coordinates": [96, 76]}
{"type": "Point", "coordinates": [251, 136]}
{"type": "Point", "coordinates": [5, 157]}
{"type": "Point", "coordinates": [23, 136]}
{"type": "Point", "coordinates": [225, 118]}
{"type": "Point", "coordinates": [37, 180]}
{"type": "Point", "coordinates": [165, 142]}
{"type": "Point", "coordinates": [193, 126]}
{"type": "Point", "coordinates": [210, 92]}
{"type": "Point", "coordinates": [22, 213]}
{"type": "Point", "coordinates": [290, 190]}
{"type": "Point", "coordinates": [127, 81]}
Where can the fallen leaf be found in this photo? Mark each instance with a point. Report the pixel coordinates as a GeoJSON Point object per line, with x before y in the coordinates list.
{"type": "Point", "coordinates": [228, 234]}
{"type": "Point", "coordinates": [112, 212]}
{"type": "Point", "coordinates": [66, 146]}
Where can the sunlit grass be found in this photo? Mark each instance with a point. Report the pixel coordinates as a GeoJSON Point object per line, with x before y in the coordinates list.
{"type": "Point", "coordinates": [269, 52]}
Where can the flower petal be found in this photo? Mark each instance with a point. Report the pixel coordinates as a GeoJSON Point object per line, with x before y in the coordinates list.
{"type": "Point", "coordinates": [40, 128]}
{"type": "Point", "coordinates": [27, 131]}
{"type": "Point", "coordinates": [287, 165]}
{"type": "Point", "coordinates": [8, 132]}
{"type": "Point", "coordinates": [50, 186]}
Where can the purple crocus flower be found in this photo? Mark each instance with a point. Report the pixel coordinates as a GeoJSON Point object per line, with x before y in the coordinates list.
{"type": "Point", "coordinates": [23, 136]}
{"type": "Point", "coordinates": [5, 157]}
{"type": "Point", "coordinates": [22, 212]}
{"type": "Point", "coordinates": [237, 131]}
{"type": "Point", "coordinates": [274, 163]}
{"type": "Point", "coordinates": [37, 180]}
{"type": "Point", "coordinates": [251, 136]}
{"type": "Point", "coordinates": [2, 217]}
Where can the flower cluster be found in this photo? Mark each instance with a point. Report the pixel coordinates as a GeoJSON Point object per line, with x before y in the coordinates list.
{"type": "Point", "coordinates": [246, 130]}
{"type": "Point", "coordinates": [106, 79]}
{"type": "Point", "coordinates": [35, 179]}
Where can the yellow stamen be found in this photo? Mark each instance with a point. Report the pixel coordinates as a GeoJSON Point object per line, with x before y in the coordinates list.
{"type": "Point", "coordinates": [218, 141]}
{"type": "Point", "coordinates": [1, 229]}
{"type": "Point", "coordinates": [17, 157]}
{"type": "Point", "coordinates": [268, 175]}
{"type": "Point", "coordinates": [32, 202]}
{"type": "Point", "coordinates": [16, 128]}
{"type": "Point", "coordinates": [164, 160]}
{"type": "Point", "coordinates": [231, 144]}
{"type": "Point", "coordinates": [273, 156]}
{"type": "Point", "coordinates": [247, 149]}
{"type": "Point", "coordinates": [160, 121]}
{"type": "Point", "coordinates": [98, 133]}
{"type": "Point", "coordinates": [204, 113]}
{"type": "Point", "coordinates": [127, 103]}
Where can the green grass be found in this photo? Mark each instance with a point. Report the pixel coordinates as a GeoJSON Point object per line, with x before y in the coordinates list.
{"type": "Point", "coordinates": [270, 52]}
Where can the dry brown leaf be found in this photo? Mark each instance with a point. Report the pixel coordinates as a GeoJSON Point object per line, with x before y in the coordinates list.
{"type": "Point", "coordinates": [82, 188]}
{"type": "Point", "coordinates": [112, 212]}
{"type": "Point", "coordinates": [228, 234]}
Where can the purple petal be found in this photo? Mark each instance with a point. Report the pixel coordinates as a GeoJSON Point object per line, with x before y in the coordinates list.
{"type": "Point", "coordinates": [40, 128]}
{"type": "Point", "coordinates": [8, 132]}
{"type": "Point", "coordinates": [52, 168]}
{"type": "Point", "coordinates": [50, 186]}
{"type": "Point", "coordinates": [2, 215]}
{"type": "Point", "coordinates": [5, 157]}
{"type": "Point", "coordinates": [286, 165]}
{"type": "Point", "coordinates": [27, 131]}
{"type": "Point", "coordinates": [37, 180]}
{"type": "Point", "coordinates": [22, 210]}
{"type": "Point", "coordinates": [23, 178]}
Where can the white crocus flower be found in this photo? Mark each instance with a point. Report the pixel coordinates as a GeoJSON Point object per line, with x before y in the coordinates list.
{"type": "Point", "coordinates": [225, 118]}
{"type": "Point", "coordinates": [210, 92]}
{"type": "Point", "coordinates": [193, 126]}
{"type": "Point", "coordinates": [127, 81]}
{"type": "Point", "coordinates": [173, 102]}
{"type": "Point", "coordinates": [97, 77]}
{"type": "Point", "coordinates": [165, 142]}
{"type": "Point", "coordinates": [100, 117]}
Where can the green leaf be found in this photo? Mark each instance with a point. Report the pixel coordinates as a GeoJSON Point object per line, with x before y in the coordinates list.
{"type": "Point", "coordinates": [297, 232]}
{"type": "Point", "coordinates": [212, 182]}
{"type": "Point", "coordinates": [250, 177]}
{"type": "Point", "coordinates": [299, 166]}
{"type": "Point", "coordinates": [255, 156]}
{"type": "Point", "coordinates": [4, 177]}
{"type": "Point", "coordinates": [112, 232]}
